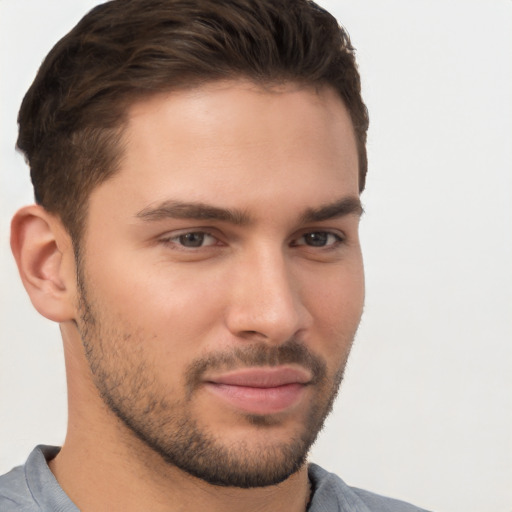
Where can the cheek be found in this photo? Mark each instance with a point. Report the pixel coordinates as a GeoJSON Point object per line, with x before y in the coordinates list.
{"type": "Point", "coordinates": [173, 305]}
{"type": "Point", "coordinates": [339, 290]}
{"type": "Point", "coordinates": [336, 305]}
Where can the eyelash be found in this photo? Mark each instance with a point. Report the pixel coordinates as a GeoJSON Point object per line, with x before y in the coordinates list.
{"type": "Point", "coordinates": [338, 239]}
{"type": "Point", "coordinates": [177, 241]}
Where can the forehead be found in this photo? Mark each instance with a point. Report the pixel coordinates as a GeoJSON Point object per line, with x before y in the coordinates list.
{"type": "Point", "coordinates": [233, 143]}
{"type": "Point", "coordinates": [243, 111]}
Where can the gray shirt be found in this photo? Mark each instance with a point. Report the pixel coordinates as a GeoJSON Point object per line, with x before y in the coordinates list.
{"type": "Point", "coordinates": [33, 488]}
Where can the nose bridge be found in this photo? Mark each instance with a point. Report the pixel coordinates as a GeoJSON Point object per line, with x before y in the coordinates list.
{"type": "Point", "coordinates": [266, 299]}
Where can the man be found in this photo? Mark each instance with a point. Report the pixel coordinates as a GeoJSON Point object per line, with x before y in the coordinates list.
{"type": "Point", "coordinates": [197, 167]}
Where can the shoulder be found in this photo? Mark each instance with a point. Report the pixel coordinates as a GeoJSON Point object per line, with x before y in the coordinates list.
{"type": "Point", "coordinates": [32, 487]}
{"type": "Point", "coordinates": [383, 503]}
{"type": "Point", "coordinates": [15, 494]}
{"type": "Point", "coordinates": [332, 494]}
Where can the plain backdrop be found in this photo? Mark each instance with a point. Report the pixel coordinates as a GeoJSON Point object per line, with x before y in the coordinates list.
{"type": "Point", "coordinates": [425, 412]}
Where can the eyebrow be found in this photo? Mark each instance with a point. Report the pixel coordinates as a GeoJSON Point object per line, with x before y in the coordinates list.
{"type": "Point", "coordinates": [202, 211]}
{"type": "Point", "coordinates": [198, 211]}
{"type": "Point", "coordinates": [347, 206]}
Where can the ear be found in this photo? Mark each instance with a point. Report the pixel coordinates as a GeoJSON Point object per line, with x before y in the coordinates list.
{"type": "Point", "coordinates": [44, 254]}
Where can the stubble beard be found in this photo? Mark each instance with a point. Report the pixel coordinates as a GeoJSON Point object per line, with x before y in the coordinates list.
{"type": "Point", "coordinates": [128, 386]}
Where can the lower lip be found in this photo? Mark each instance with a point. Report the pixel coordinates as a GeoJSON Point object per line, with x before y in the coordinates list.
{"type": "Point", "coordinates": [259, 400]}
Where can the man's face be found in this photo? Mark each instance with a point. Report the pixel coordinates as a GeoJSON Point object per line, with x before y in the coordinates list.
{"type": "Point", "coordinates": [221, 279]}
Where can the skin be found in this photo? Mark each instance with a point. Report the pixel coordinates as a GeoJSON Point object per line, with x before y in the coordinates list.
{"type": "Point", "coordinates": [153, 301]}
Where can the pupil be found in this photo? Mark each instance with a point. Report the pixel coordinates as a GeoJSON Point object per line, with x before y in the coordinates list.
{"type": "Point", "coordinates": [192, 239]}
{"type": "Point", "coordinates": [316, 239]}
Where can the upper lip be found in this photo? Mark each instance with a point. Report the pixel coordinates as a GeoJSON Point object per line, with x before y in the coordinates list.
{"type": "Point", "coordinates": [263, 377]}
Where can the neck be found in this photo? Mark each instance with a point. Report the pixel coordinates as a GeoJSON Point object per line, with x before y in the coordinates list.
{"type": "Point", "coordinates": [99, 476]}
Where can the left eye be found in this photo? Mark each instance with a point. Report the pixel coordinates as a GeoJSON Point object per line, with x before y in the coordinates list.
{"type": "Point", "coordinates": [318, 239]}
{"type": "Point", "coordinates": [193, 239]}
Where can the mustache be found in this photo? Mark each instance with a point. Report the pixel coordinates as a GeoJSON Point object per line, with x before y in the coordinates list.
{"type": "Point", "coordinates": [247, 356]}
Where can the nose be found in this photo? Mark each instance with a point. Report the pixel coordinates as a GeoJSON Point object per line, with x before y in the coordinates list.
{"type": "Point", "coordinates": [266, 303]}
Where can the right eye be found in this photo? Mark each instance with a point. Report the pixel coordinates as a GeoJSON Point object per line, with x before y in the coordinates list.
{"type": "Point", "coordinates": [191, 239]}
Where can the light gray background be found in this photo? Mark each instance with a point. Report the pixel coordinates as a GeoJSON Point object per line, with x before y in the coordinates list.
{"type": "Point", "coordinates": [426, 408]}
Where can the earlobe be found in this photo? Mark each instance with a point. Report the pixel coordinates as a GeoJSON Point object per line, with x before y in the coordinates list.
{"type": "Point", "coordinates": [44, 254]}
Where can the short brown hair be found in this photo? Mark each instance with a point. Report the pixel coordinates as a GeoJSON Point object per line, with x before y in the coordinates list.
{"type": "Point", "coordinates": [71, 118]}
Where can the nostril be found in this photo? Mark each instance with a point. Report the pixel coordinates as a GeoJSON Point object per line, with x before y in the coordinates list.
{"type": "Point", "coordinates": [253, 334]}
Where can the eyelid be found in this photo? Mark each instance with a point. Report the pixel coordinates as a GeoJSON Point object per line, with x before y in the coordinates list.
{"type": "Point", "coordinates": [171, 238]}
{"type": "Point", "coordinates": [339, 236]}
